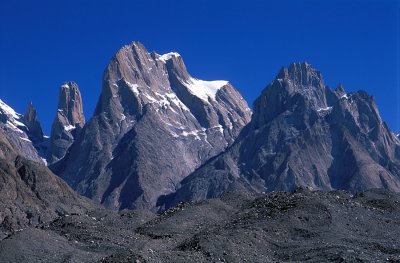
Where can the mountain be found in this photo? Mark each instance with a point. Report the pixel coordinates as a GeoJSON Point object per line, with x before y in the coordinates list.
{"type": "Point", "coordinates": [154, 124]}
{"type": "Point", "coordinates": [68, 122]}
{"type": "Point", "coordinates": [24, 131]}
{"type": "Point", "coordinates": [29, 193]}
{"type": "Point", "coordinates": [303, 133]}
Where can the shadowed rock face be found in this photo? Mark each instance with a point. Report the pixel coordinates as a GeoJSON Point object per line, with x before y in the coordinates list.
{"type": "Point", "coordinates": [32, 123]}
{"type": "Point", "coordinates": [29, 193]}
{"type": "Point", "coordinates": [154, 124]}
{"type": "Point", "coordinates": [68, 122]}
{"type": "Point", "coordinates": [303, 133]}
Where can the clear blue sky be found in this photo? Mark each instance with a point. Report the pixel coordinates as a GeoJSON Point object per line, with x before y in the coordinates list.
{"type": "Point", "coordinates": [44, 43]}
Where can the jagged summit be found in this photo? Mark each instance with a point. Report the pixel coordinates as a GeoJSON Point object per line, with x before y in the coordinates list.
{"type": "Point", "coordinates": [303, 133]}
{"type": "Point", "coordinates": [297, 88]}
{"type": "Point", "coordinates": [24, 131]}
{"type": "Point", "coordinates": [70, 104]}
{"type": "Point", "coordinates": [153, 125]}
{"type": "Point", "coordinates": [302, 73]}
{"type": "Point", "coordinates": [68, 122]}
{"type": "Point", "coordinates": [32, 122]}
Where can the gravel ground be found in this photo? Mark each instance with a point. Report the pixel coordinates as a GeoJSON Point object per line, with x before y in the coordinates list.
{"type": "Point", "coordinates": [303, 226]}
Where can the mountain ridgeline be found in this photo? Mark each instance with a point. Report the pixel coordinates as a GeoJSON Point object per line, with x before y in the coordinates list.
{"type": "Point", "coordinates": [154, 125]}
{"type": "Point", "coordinates": [159, 136]}
{"type": "Point", "coordinates": [302, 133]}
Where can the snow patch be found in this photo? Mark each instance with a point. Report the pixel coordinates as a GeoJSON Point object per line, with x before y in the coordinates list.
{"type": "Point", "coordinates": [219, 127]}
{"type": "Point", "coordinates": [324, 109]}
{"type": "Point", "coordinates": [44, 161]}
{"type": "Point", "coordinates": [9, 111]}
{"type": "Point", "coordinates": [69, 128]}
{"type": "Point", "coordinates": [169, 98]}
{"type": "Point", "coordinates": [13, 118]}
{"type": "Point", "coordinates": [168, 56]}
{"type": "Point", "coordinates": [150, 98]}
{"type": "Point", "coordinates": [197, 133]}
{"type": "Point", "coordinates": [133, 87]}
{"type": "Point", "coordinates": [193, 133]}
{"type": "Point", "coordinates": [25, 139]}
{"type": "Point", "coordinates": [13, 127]}
{"type": "Point", "coordinates": [204, 89]}
{"type": "Point", "coordinates": [230, 125]}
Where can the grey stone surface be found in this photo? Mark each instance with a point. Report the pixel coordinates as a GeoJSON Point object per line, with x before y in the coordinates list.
{"type": "Point", "coordinates": [303, 133]}
{"type": "Point", "coordinates": [301, 226]}
{"type": "Point", "coordinates": [32, 123]}
{"type": "Point", "coordinates": [29, 193]}
{"type": "Point", "coordinates": [154, 124]}
{"type": "Point", "coordinates": [68, 122]}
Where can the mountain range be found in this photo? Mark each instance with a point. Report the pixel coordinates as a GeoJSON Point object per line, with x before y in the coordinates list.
{"type": "Point", "coordinates": [171, 168]}
{"type": "Point", "coordinates": [303, 133]}
{"type": "Point", "coordinates": [159, 136]}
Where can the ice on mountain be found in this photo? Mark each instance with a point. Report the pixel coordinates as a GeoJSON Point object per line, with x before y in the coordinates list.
{"type": "Point", "coordinates": [168, 56]}
{"type": "Point", "coordinates": [204, 89]}
{"type": "Point", "coordinates": [69, 127]}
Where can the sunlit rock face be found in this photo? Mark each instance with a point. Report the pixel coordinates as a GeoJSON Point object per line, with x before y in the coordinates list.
{"type": "Point", "coordinates": [68, 122]}
{"type": "Point", "coordinates": [154, 124]}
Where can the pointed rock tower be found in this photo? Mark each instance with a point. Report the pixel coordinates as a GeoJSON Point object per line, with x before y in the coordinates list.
{"type": "Point", "coordinates": [32, 123]}
{"type": "Point", "coordinates": [68, 123]}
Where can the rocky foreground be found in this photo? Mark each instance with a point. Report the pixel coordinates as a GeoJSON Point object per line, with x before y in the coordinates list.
{"type": "Point", "coordinates": [305, 225]}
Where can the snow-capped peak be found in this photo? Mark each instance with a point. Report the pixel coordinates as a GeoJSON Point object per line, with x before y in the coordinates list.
{"type": "Point", "coordinates": [168, 56]}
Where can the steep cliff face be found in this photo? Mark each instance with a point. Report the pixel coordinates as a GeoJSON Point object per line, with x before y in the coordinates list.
{"type": "Point", "coordinates": [32, 123]}
{"type": "Point", "coordinates": [303, 133]}
{"type": "Point", "coordinates": [68, 122]}
{"type": "Point", "coordinates": [153, 125]}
